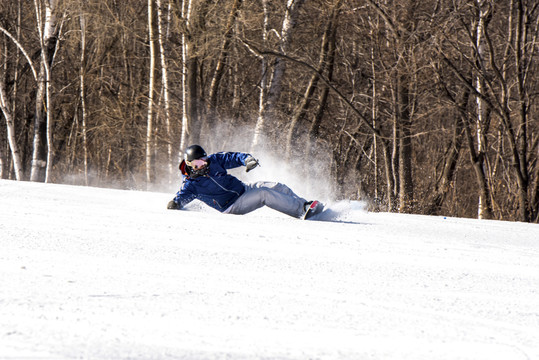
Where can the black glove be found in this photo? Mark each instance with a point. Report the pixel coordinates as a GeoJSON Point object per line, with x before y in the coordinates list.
{"type": "Point", "coordinates": [172, 205]}
{"type": "Point", "coordinates": [251, 163]}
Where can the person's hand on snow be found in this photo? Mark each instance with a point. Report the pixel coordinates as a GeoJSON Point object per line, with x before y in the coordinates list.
{"type": "Point", "coordinates": [172, 205]}
{"type": "Point", "coordinates": [251, 163]}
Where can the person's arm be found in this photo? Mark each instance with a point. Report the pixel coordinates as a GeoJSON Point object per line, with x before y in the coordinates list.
{"type": "Point", "coordinates": [182, 198]}
{"type": "Point", "coordinates": [231, 160]}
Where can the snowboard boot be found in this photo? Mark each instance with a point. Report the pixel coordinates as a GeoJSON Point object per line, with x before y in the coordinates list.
{"type": "Point", "coordinates": [312, 208]}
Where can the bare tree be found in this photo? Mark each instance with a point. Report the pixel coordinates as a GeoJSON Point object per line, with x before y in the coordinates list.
{"type": "Point", "coordinates": [273, 89]}
{"type": "Point", "coordinates": [10, 126]}
{"type": "Point", "coordinates": [399, 19]}
{"type": "Point", "coordinates": [484, 207]}
{"type": "Point", "coordinates": [150, 122]}
{"type": "Point", "coordinates": [497, 72]}
{"type": "Point", "coordinates": [8, 112]}
{"type": "Point", "coordinates": [222, 57]}
{"type": "Point", "coordinates": [352, 78]}
{"type": "Point", "coordinates": [163, 25]}
{"type": "Point", "coordinates": [83, 93]}
{"type": "Point", "coordinates": [325, 49]}
{"type": "Point", "coordinates": [48, 36]}
{"type": "Point", "coordinates": [191, 15]}
{"type": "Point", "coordinates": [264, 80]}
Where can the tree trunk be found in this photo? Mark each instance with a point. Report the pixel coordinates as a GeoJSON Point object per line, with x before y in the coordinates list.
{"type": "Point", "coordinates": [522, 133]}
{"type": "Point", "coordinates": [2, 162]}
{"type": "Point", "coordinates": [260, 123]}
{"type": "Point", "coordinates": [406, 185]}
{"type": "Point", "coordinates": [274, 88]}
{"type": "Point", "coordinates": [395, 149]}
{"type": "Point", "coordinates": [223, 55]}
{"type": "Point", "coordinates": [190, 125]}
{"type": "Point", "coordinates": [452, 155]}
{"type": "Point", "coordinates": [149, 122]}
{"type": "Point", "coordinates": [10, 127]}
{"type": "Point", "coordinates": [185, 17]}
{"type": "Point", "coordinates": [374, 115]}
{"type": "Point", "coordinates": [481, 179]}
{"type": "Point", "coordinates": [483, 210]}
{"type": "Point", "coordinates": [302, 107]}
{"type": "Point", "coordinates": [83, 95]}
{"type": "Point", "coordinates": [314, 130]}
{"type": "Point", "coordinates": [400, 21]}
{"type": "Point", "coordinates": [163, 24]}
{"type": "Point", "coordinates": [534, 199]}
{"type": "Point", "coordinates": [390, 177]}
{"type": "Point", "coordinates": [42, 145]}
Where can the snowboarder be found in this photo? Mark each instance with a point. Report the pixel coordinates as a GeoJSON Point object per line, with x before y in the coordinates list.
{"type": "Point", "coordinates": [205, 178]}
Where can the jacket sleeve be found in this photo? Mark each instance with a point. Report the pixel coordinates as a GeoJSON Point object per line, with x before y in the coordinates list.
{"type": "Point", "coordinates": [230, 160]}
{"type": "Point", "coordinates": [185, 195]}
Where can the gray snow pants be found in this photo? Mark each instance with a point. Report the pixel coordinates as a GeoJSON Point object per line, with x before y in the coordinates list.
{"type": "Point", "coordinates": [272, 194]}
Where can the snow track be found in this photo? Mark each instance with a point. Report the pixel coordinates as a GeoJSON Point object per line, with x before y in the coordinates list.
{"type": "Point", "coordinates": [109, 274]}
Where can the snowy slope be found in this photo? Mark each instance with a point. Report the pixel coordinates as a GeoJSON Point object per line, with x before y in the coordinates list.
{"type": "Point", "coordinates": [92, 273]}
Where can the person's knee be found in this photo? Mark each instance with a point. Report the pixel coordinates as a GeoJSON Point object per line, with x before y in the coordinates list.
{"type": "Point", "coordinates": [265, 193]}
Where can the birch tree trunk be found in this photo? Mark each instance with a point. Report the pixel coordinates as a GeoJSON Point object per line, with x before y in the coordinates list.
{"type": "Point", "coordinates": [259, 127]}
{"type": "Point", "coordinates": [289, 24]}
{"type": "Point", "coordinates": [14, 97]}
{"type": "Point", "coordinates": [42, 144]}
{"type": "Point", "coordinates": [189, 68]}
{"type": "Point", "coordinates": [521, 47]}
{"type": "Point", "coordinates": [17, 60]}
{"type": "Point", "coordinates": [162, 26]}
{"type": "Point", "coordinates": [184, 14]}
{"type": "Point", "coordinates": [484, 207]}
{"type": "Point", "coordinates": [10, 126]}
{"type": "Point", "coordinates": [9, 112]}
{"type": "Point", "coordinates": [83, 93]}
{"type": "Point", "coordinates": [149, 121]}
{"type": "Point", "coordinates": [497, 89]}
{"type": "Point", "coordinates": [374, 115]}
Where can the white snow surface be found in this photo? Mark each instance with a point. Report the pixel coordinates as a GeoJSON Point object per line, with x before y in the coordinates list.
{"type": "Point", "coordinates": [91, 273]}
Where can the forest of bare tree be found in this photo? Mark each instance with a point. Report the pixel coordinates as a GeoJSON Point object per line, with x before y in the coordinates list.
{"type": "Point", "coordinates": [425, 107]}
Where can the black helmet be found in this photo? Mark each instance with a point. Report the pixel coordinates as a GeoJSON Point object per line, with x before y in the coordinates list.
{"type": "Point", "coordinates": [194, 152]}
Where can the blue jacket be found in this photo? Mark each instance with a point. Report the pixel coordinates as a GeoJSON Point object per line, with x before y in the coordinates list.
{"type": "Point", "coordinates": [217, 189]}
